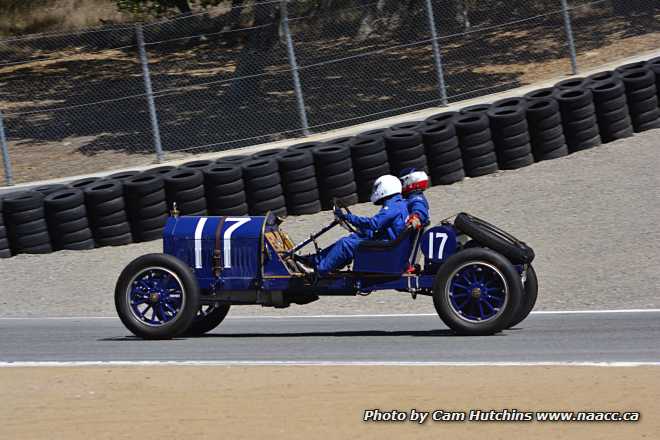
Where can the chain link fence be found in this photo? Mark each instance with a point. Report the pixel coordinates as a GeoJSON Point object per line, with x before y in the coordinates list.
{"type": "Point", "coordinates": [250, 73]}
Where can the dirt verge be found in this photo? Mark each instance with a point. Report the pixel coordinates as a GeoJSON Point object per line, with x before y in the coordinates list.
{"type": "Point", "coordinates": [305, 402]}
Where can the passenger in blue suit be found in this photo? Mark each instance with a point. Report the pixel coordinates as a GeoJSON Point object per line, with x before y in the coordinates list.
{"type": "Point", "coordinates": [413, 184]}
{"type": "Point", "coordinates": [386, 225]}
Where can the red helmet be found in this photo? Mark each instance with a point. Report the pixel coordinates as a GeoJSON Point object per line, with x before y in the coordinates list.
{"type": "Point", "coordinates": [413, 180]}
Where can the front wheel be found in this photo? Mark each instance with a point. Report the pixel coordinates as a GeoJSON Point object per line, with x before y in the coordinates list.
{"type": "Point", "coordinates": [157, 296]}
{"type": "Point", "coordinates": [476, 292]}
{"type": "Point", "coordinates": [531, 292]}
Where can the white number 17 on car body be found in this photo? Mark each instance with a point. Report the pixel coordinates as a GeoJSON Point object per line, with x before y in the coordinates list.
{"type": "Point", "coordinates": [438, 243]}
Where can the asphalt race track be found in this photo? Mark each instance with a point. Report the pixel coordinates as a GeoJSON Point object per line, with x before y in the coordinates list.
{"type": "Point", "coordinates": [545, 337]}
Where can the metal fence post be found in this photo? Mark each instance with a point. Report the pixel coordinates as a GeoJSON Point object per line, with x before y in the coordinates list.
{"type": "Point", "coordinates": [9, 176]}
{"type": "Point", "coordinates": [153, 116]}
{"type": "Point", "coordinates": [569, 35]}
{"type": "Point", "coordinates": [291, 55]}
{"type": "Point", "coordinates": [436, 54]}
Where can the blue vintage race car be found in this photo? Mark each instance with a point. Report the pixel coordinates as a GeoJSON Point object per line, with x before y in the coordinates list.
{"type": "Point", "coordinates": [480, 277]}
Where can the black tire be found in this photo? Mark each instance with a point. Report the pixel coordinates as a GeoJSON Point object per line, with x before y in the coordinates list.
{"type": "Point", "coordinates": [442, 118]}
{"type": "Point", "coordinates": [114, 240]}
{"type": "Point", "coordinates": [64, 199]}
{"type": "Point", "coordinates": [236, 159]}
{"type": "Point", "coordinates": [189, 291]}
{"type": "Point", "coordinates": [410, 125]}
{"type": "Point", "coordinates": [330, 169]}
{"type": "Point", "coordinates": [402, 139]}
{"type": "Point", "coordinates": [240, 209]}
{"type": "Point", "coordinates": [488, 259]}
{"type": "Point", "coordinates": [308, 208]}
{"type": "Point", "coordinates": [475, 109]}
{"type": "Point", "coordinates": [224, 189]}
{"type": "Point", "coordinates": [182, 179]}
{"type": "Point", "coordinates": [159, 171]}
{"type": "Point", "coordinates": [305, 146]}
{"type": "Point", "coordinates": [299, 174]}
{"type": "Point", "coordinates": [82, 183]}
{"type": "Point", "coordinates": [22, 201]}
{"type": "Point", "coordinates": [142, 184]}
{"type": "Point", "coordinates": [226, 200]}
{"type": "Point", "coordinates": [103, 191]}
{"type": "Point", "coordinates": [482, 170]}
{"type": "Point", "coordinates": [205, 321]}
{"type": "Point", "coordinates": [572, 83]}
{"type": "Point", "coordinates": [293, 160]}
{"type": "Point", "coordinates": [448, 179]}
{"type": "Point", "coordinates": [221, 174]}
{"type": "Point", "coordinates": [494, 238]}
{"type": "Point", "coordinates": [271, 153]}
{"type": "Point", "coordinates": [122, 175]}
{"type": "Point", "coordinates": [530, 295]}
{"type": "Point", "coordinates": [48, 189]}
{"type": "Point", "coordinates": [328, 154]}
{"type": "Point", "coordinates": [517, 163]}
{"type": "Point", "coordinates": [547, 92]}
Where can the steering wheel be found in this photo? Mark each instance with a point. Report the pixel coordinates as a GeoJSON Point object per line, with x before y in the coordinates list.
{"type": "Point", "coordinates": [338, 204]}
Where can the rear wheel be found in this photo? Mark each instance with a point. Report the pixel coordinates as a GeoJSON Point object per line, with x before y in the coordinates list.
{"type": "Point", "coordinates": [157, 296]}
{"type": "Point", "coordinates": [208, 317]}
{"type": "Point", "coordinates": [530, 294]}
{"type": "Point", "coordinates": [477, 292]}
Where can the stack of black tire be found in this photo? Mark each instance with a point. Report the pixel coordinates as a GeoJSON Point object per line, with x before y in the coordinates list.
{"type": "Point", "coordinates": [477, 147]}
{"type": "Point", "coordinates": [263, 186]}
{"type": "Point", "coordinates": [5, 249]}
{"type": "Point", "coordinates": [443, 153]}
{"type": "Point", "coordinates": [546, 129]}
{"type": "Point", "coordinates": [301, 188]}
{"type": "Point", "coordinates": [642, 97]}
{"type": "Point", "coordinates": [578, 114]}
{"type": "Point", "coordinates": [611, 106]}
{"type": "Point", "coordinates": [405, 149]}
{"type": "Point", "coordinates": [106, 210]}
{"type": "Point", "coordinates": [510, 132]}
{"type": "Point", "coordinates": [25, 220]}
{"type": "Point", "coordinates": [66, 215]}
{"type": "Point", "coordinates": [336, 178]}
{"type": "Point", "coordinates": [225, 190]}
{"type": "Point", "coordinates": [185, 187]}
{"type": "Point", "coordinates": [146, 203]}
{"type": "Point", "coordinates": [370, 161]}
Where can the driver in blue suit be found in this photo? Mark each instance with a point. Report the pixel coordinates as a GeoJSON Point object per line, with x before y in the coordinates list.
{"type": "Point", "coordinates": [414, 183]}
{"type": "Point", "coordinates": [386, 225]}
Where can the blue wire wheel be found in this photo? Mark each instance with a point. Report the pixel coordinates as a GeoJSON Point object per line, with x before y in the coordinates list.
{"type": "Point", "coordinates": [477, 292]}
{"type": "Point", "coordinates": [156, 296]}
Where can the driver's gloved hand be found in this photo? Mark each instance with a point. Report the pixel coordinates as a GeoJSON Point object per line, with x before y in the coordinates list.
{"type": "Point", "coordinates": [340, 214]}
{"type": "Point", "coordinates": [414, 221]}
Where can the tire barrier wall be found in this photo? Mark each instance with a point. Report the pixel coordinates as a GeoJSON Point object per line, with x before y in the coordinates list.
{"type": "Point", "coordinates": [132, 206]}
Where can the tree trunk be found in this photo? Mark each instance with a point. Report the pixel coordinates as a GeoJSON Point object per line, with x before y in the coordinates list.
{"type": "Point", "coordinates": [255, 55]}
{"type": "Point", "coordinates": [182, 6]}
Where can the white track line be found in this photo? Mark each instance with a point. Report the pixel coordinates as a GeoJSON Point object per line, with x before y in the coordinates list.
{"type": "Point", "coordinates": [320, 363]}
{"type": "Point", "coordinates": [387, 315]}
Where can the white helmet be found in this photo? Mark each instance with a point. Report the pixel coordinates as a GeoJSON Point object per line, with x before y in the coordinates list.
{"type": "Point", "coordinates": [385, 186]}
